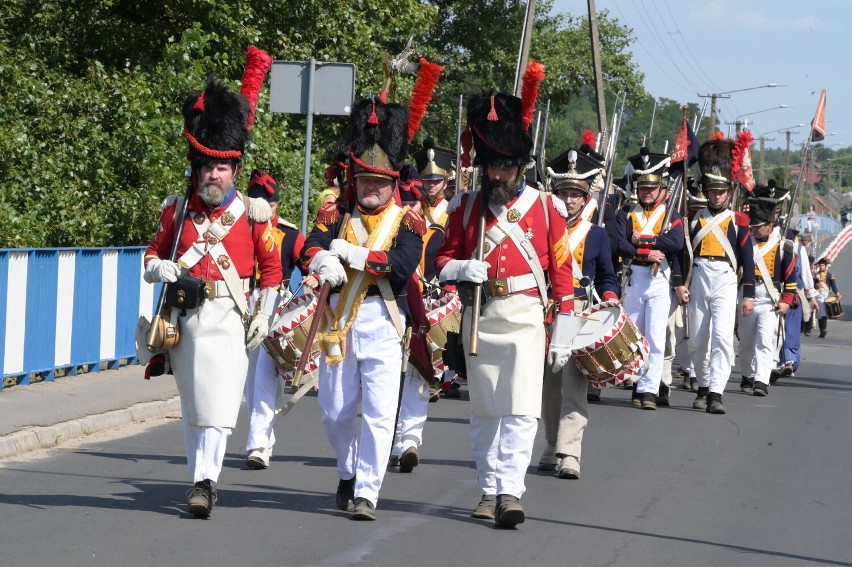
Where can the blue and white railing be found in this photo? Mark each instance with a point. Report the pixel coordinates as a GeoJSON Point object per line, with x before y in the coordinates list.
{"type": "Point", "coordinates": [69, 310]}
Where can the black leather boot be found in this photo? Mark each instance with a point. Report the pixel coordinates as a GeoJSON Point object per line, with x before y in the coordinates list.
{"type": "Point", "coordinates": [714, 403]}
{"type": "Point", "coordinates": [701, 399]}
{"type": "Point", "coordinates": [823, 325]}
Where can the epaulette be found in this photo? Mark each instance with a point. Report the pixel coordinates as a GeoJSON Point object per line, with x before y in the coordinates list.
{"type": "Point", "coordinates": [414, 221]}
{"type": "Point", "coordinates": [741, 218]}
{"type": "Point", "coordinates": [328, 214]}
{"type": "Point", "coordinates": [257, 210]}
{"type": "Point", "coordinates": [559, 205]}
{"type": "Point", "coordinates": [168, 202]}
{"type": "Point", "coordinates": [455, 203]}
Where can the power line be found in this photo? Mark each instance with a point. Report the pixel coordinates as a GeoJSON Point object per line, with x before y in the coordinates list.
{"type": "Point", "coordinates": [642, 45]}
{"type": "Point", "coordinates": [674, 20]}
{"type": "Point", "coordinates": [658, 39]}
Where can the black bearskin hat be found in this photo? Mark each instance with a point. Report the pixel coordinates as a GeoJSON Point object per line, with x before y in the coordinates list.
{"type": "Point", "coordinates": [215, 123]}
{"type": "Point", "coordinates": [378, 138]}
{"type": "Point", "coordinates": [714, 161]}
{"type": "Point", "coordinates": [498, 132]}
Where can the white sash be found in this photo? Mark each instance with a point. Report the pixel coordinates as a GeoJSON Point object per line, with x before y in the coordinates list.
{"type": "Point", "coordinates": [648, 229]}
{"type": "Point", "coordinates": [574, 240]}
{"type": "Point", "coordinates": [383, 284]}
{"type": "Point", "coordinates": [760, 262]}
{"type": "Point", "coordinates": [210, 237]}
{"type": "Point", "coordinates": [713, 222]}
{"type": "Point", "coordinates": [495, 235]}
{"type": "Point", "coordinates": [437, 211]}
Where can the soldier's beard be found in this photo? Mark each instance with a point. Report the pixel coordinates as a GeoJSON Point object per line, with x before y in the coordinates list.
{"type": "Point", "coordinates": [213, 193]}
{"type": "Point", "coordinates": [501, 192]}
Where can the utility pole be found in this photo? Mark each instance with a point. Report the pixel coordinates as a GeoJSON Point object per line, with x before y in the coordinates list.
{"type": "Point", "coordinates": [713, 97]}
{"type": "Point", "coordinates": [596, 64]}
{"type": "Point", "coordinates": [762, 172]}
{"type": "Point", "coordinates": [787, 161]}
{"type": "Point", "coordinates": [526, 38]}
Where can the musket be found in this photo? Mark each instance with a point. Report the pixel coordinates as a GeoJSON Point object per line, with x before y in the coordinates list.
{"type": "Point", "coordinates": [459, 145]}
{"type": "Point", "coordinates": [683, 206]}
{"type": "Point", "coordinates": [544, 135]}
{"type": "Point", "coordinates": [473, 350]}
{"type": "Point", "coordinates": [609, 156]}
{"type": "Point", "coordinates": [179, 220]}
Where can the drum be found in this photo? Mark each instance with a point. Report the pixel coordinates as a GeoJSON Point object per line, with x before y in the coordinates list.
{"type": "Point", "coordinates": [833, 307]}
{"type": "Point", "coordinates": [444, 315]}
{"type": "Point", "coordinates": [609, 348]}
{"type": "Point", "coordinates": [289, 332]}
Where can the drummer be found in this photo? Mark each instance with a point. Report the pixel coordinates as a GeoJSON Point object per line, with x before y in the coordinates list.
{"type": "Point", "coordinates": [564, 405]}
{"type": "Point", "coordinates": [825, 285]}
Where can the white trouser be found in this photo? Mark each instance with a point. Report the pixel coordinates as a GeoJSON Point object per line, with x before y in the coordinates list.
{"type": "Point", "coordinates": [821, 310]}
{"type": "Point", "coordinates": [671, 339]}
{"type": "Point", "coordinates": [412, 412]}
{"type": "Point", "coordinates": [369, 375]}
{"type": "Point", "coordinates": [263, 388]}
{"type": "Point", "coordinates": [712, 314]}
{"type": "Point", "coordinates": [759, 341]}
{"type": "Point", "coordinates": [205, 449]}
{"type": "Point", "coordinates": [646, 300]}
{"type": "Point", "coordinates": [502, 449]}
{"type": "Point", "coordinates": [564, 413]}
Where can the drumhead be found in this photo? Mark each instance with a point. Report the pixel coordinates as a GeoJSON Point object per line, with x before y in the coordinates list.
{"type": "Point", "coordinates": [831, 299]}
{"type": "Point", "coordinates": [601, 321]}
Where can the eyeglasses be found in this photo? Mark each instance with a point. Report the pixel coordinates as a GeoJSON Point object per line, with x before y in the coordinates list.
{"type": "Point", "coordinates": [572, 196]}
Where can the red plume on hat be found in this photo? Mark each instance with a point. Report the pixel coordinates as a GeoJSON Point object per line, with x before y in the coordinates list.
{"type": "Point", "coordinates": [741, 160]}
{"type": "Point", "coordinates": [258, 63]}
{"type": "Point", "coordinates": [531, 80]}
{"type": "Point", "coordinates": [588, 139]}
{"type": "Point", "coordinates": [421, 95]}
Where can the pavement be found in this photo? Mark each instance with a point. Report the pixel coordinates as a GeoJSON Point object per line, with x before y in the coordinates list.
{"type": "Point", "coordinates": [46, 414]}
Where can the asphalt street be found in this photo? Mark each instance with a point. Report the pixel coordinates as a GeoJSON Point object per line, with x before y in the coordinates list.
{"type": "Point", "coordinates": [765, 485]}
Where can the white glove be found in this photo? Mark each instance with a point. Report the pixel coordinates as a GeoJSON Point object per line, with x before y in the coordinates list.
{"type": "Point", "coordinates": [162, 271]}
{"type": "Point", "coordinates": [257, 331]}
{"type": "Point", "coordinates": [465, 270]}
{"type": "Point", "coordinates": [355, 256]}
{"type": "Point", "coordinates": [565, 329]}
{"type": "Point", "coordinates": [328, 268]}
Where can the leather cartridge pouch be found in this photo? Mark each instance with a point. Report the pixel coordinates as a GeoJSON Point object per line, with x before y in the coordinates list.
{"type": "Point", "coordinates": [188, 292]}
{"type": "Point", "coordinates": [466, 292]}
{"type": "Point", "coordinates": [164, 333]}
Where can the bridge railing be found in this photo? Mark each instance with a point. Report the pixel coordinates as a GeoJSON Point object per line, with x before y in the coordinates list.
{"type": "Point", "coordinates": [65, 311]}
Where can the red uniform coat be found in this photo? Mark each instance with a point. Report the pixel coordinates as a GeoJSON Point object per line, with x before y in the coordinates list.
{"type": "Point", "coordinates": [460, 241]}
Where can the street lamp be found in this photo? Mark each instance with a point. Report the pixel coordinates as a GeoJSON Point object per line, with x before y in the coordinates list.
{"type": "Point", "coordinates": [727, 94]}
{"type": "Point", "coordinates": [740, 125]}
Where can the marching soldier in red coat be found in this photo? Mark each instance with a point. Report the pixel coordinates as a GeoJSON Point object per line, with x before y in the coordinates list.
{"type": "Point", "coordinates": [525, 245]}
{"type": "Point", "coordinates": [224, 234]}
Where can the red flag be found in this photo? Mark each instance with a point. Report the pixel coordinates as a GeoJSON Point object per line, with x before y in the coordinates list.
{"type": "Point", "coordinates": [681, 146]}
{"type": "Point", "coordinates": [818, 123]}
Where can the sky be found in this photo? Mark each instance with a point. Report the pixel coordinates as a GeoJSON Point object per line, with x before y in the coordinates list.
{"type": "Point", "coordinates": [687, 48]}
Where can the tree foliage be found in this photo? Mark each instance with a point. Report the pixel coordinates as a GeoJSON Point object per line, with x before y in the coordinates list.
{"type": "Point", "coordinates": [92, 92]}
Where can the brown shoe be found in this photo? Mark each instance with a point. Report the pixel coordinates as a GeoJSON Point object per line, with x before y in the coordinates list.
{"type": "Point", "coordinates": [509, 511]}
{"type": "Point", "coordinates": [486, 508]}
